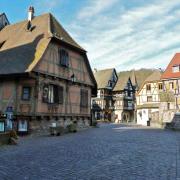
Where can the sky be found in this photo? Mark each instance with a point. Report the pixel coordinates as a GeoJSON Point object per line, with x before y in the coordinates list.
{"type": "Point", "coordinates": [121, 34]}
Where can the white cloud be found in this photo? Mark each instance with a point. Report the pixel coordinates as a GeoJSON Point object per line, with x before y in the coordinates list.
{"type": "Point", "coordinates": [47, 5]}
{"type": "Point", "coordinates": [95, 7]}
{"type": "Point", "coordinates": [139, 37]}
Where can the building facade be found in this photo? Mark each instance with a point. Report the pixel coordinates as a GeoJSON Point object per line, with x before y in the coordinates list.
{"type": "Point", "coordinates": [124, 99]}
{"type": "Point", "coordinates": [171, 94]}
{"type": "Point", "coordinates": [103, 104]}
{"type": "Point", "coordinates": [45, 76]}
{"type": "Point", "coordinates": [148, 98]}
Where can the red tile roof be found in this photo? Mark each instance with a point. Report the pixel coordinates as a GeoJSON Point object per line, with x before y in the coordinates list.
{"type": "Point", "coordinates": [168, 74]}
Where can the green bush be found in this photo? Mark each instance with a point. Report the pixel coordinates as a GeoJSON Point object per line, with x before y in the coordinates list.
{"type": "Point", "coordinates": [72, 128]}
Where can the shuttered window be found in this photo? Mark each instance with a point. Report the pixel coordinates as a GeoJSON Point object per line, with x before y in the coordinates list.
{"type": "Point", "coordinates": [84, 98]}
{"type": "Point", "coordinates": [148, 87]}
{"type": "Point", "coordinates": [61, 95]}
{"type": "Point", "coordinates": [26, 93]}
{"type": "Point", "coordinates": [53, 94]}
{"type": "Point", "coordinates": [64, 57]}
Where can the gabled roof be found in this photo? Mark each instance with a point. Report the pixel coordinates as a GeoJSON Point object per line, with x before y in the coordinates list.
{"type": "Point", "coordinates": [168, 72]}
{"type": "Point", "coordinates": [155, 76]}
{"type": "Point", "coordinates": [123, 78]}
{"type": "Point", "coordinates": [102, 77]}
{"type": "Point", "coordinates": [137, 78]}
{"type": "Point", "coordinates": [22, 49]}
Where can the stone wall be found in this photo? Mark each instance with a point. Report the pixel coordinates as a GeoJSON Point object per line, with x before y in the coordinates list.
{"type": "Point", "coordinates": [42, 126]}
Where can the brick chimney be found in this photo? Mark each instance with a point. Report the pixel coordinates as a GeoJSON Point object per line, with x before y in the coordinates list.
{"type": "Point", "coordinates": [30, 13]}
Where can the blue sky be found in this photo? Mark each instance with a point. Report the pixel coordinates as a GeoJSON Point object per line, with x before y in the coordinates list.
{"type": "Point", "coordinates": [125, 34]}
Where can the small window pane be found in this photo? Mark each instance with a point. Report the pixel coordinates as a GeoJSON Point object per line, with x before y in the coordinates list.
{"type": "Point", "coordinates": [148, 87]}
{"type": "Point", "coordinates": [22, 126]}
{"type": "Point", "coordinates": [84, 98]}
{"type": "Point", "coordinates": [64, 57]}
{"type": "Point", "coordinates": [149, 98]}
{"type": "Point", "coordinates": [160, 86]}
{"type": "Point", "coordinates": [26, 93]}
{"type": "Point", "coordinates": [175, 68]}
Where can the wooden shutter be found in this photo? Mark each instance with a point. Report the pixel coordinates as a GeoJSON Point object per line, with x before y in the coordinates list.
{"type": "Point", "coordinates": [84, 98]}
{"type": "Point", "coordinates": [56, 93]}
{"type": "Point", "coordinates": [61, 94]}
{"type": "Point", "coordinates": [64, 57]}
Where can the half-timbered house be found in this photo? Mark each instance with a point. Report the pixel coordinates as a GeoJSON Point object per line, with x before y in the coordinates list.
{"type": "Point", "coordinates": [148, 98]}
{"type": "Point", "coordinates": [103, 103]}
{"type": "Point", "coordinates": [171, 95]}
{"type": "Point", "coordinates": [124, 98]}
{"type": "Point", "coordinates": [45, 76]}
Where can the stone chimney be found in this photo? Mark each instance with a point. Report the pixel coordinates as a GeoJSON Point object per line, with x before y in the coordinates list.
{"type": "Point", "coordinates": [30, 13]}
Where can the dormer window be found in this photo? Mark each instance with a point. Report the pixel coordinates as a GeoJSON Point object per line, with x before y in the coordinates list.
{"type": "Point", "coordinates": [176, 68]}
{"type": "Point", "coordinates": [64, 58]}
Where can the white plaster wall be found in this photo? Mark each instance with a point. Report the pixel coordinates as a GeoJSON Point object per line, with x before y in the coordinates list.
{"type": "Point", "coordinates": [142, 120]}
{"type": "Point", "coordinates": [142, 95]}
{"type": "Point", "coordinates": [118, 113]}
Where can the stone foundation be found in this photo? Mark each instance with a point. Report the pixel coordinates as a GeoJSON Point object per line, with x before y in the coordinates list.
{"type": "Point", "coordinates": [42, 126]}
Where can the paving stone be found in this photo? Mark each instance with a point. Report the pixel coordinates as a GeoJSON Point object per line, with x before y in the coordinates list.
{"type": "Point", "coordinates": [117, 152]}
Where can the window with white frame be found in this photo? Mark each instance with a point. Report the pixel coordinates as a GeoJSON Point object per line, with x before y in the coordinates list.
{"type": "Point", "coordinates": [52, 94]}
{"type": "Point", "coordinates": [175, 68]}
{"type": "Point", "coordinates": [22, 126]}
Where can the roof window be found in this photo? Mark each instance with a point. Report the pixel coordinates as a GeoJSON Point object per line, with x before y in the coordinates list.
{"type": "Point", "coordinates": [176, 68]}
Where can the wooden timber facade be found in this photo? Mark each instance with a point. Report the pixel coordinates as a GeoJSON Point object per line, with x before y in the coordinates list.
{"type": "Point", "coordinates": [49, 78]}
{"type": "Point", "coordinates": [170, 98]}
{"type": "Point", "coordinates": [124, 99]}
{"type": "Point", "coordinates": [148, 98]}
{"type": "Point", "coordinates": [103, 104]}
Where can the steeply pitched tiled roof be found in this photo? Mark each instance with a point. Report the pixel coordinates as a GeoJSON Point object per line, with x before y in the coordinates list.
{"type": "Point", "coordinates": [102, 77]}
{"type": "Point", "coordinates": [22, 49]}
{"type": "Point", "coordinates": [122, 81]}
{"type": "Point", "coordinates": [137, 78]}
{"type": "Point", "coordinates": [168, 72]}
{"type": "Point", "coordinates": [155, 76]}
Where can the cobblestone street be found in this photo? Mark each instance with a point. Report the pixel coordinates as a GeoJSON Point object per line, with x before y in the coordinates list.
{"type": "Point", "coordinates": [109, 152]}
